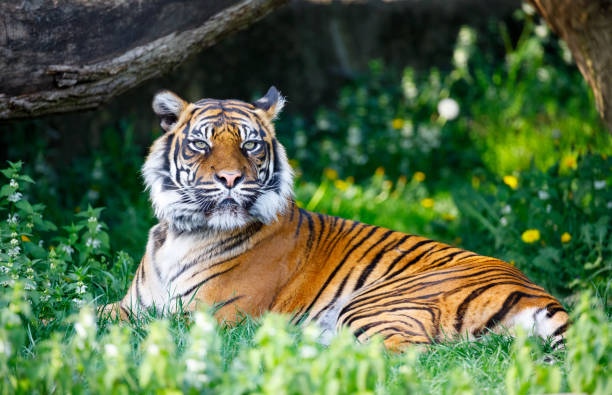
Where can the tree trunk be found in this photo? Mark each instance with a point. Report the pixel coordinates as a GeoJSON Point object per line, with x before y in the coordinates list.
{"type": "Point", "coordinates": [586, 26]}
{"type": "Point", "coordinates": [59, 56]}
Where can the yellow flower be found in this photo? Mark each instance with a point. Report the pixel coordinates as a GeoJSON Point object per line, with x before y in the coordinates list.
{"type": "Point", "coordinates": [330, 174]}
{"type": "Point", "coordinates": [448, 217]}
{"type": "Point", "coordinates": [397, 123]}
{"type": "Point", "coordinates": [419, 176]}
{"type": "Point", "coordinates": [341, 185]}
{"type": "Point", "coordinates": [566, 237]}
{"type": "Point", "coordinates": [475, 182]}
{"type": "Point", "coordinates": [512, 262]}
{"type": "Point", "coordinates": [380, 171]}
{"type": "Point", "coordinates": [427, 202]}
{"type": "Point", "coordinates": [530, 235]}
{"type": "Point", "coordinates": [401, 180]}
{"type": "Point", "coordinates": [350, 179]}
{"type": "Point", "coordinates": [25, 238]}
{"type": "Point", "coordinates": [569, 162]}
{"type": "Point", "coordinates": [511, 181]}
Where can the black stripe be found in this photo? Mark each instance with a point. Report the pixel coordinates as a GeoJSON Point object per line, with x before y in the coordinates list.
{"type": "Point", "coordinates": [560, 329]}
{"type": "Point", "coordinates": [409, 263]}
{"type": "Point", "coordinates": [336, 295]}
{"type": "Point", "coordinates": [337, 268]}
{"type": "Point", "coordinates": [510, 301]}
{"type": "Point", "coordinates": [373, 263]}
{"type": "Point", "coordinates": [221, 305]}
{"type": "Point", "coordinates": [206, 280]}
{"type": "Point", "coordinates": [403, 254]}
{"type": "Point", "coordinates": [310, 231]}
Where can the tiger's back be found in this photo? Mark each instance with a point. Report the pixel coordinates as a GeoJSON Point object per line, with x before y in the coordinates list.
{"type": "Point", "coordinates": [230, 234]}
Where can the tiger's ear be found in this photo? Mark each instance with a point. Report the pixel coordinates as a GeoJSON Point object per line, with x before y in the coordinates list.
{"type": "Point", "coordinates": [272, 103]}
{"type": "Point", "coordinates": [168, 107]}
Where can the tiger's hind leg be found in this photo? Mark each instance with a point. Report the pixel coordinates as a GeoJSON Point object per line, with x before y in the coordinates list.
{"type": "Point", "coordinates": [468, 299]}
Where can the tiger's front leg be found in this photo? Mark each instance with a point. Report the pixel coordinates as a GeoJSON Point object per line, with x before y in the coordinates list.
{"type": "Point", "coordinates": [148, 291]}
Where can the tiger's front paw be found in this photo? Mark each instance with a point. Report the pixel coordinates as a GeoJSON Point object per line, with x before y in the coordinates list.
{"type": "Point", "coordinates": [113, 311]}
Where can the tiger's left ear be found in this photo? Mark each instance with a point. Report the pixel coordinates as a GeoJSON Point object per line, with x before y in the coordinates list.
{"type": "Point", "coordinates": [272, 103]}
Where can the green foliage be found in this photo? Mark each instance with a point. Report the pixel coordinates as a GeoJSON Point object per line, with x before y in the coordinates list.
{"type": "Point", "coordinates": [569, 207]}
{"type": "Point", "coordinates": [533, 106]}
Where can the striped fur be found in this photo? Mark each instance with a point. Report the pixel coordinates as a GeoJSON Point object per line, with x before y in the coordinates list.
{"type": "Point", "coordinates": [263, 253]}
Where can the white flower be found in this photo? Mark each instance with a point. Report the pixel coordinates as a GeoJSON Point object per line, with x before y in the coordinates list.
{"type": "Point", "coordinates": [5, 348]}
{"type": "Point", "coordinates": [4, 269]}
{"type": "Point", "coordinates": [92, 219]}
{"type": "Point", "coordinates": [93, 195]}
{"type": "Point", "coordinates": [609, 205]}
{"type": "Point", "coordinates": [308, 351]}
{"type": "Point", "coordinates": [460, 57]}
{"type": "Point", "coordinates": [79, 328]}
{"type": "Point", "coordinates": [548, 208]}
{"type": "Point", "coordinates": [543, 195]}
{"type": "Point", "coordinates": [448, 109]}
{"type": "Point", "coordinates": [541, 31]}
{"type": "Point", "coordinates": [29, 287]}
{"type": "Point", "coordinates": [98, 228]}
{"type": "Point", "coordinates": [153, 349]}
{"type": "Point", "coordinates": [111, 350]}
{"type": "Point", "coordinates": [78, 302]}
{"type": "Point", "coordinates": [97, 174]}
{"type": "Point", "coordinates": [14, 251]}
{"type": "Point", "coordinates": [44, 297]}
{"type": "Point", "coordinates": [14, 184]}
{"type": "Point", "coordinates": [81, 288]}
{"type": "Point", "coordinates": [503, 221]}
{"type": "Point", "coordinates": [203, 322]}
{"type": "Point", "coordinates": [195, 366]}
{"type": "Point", "coordinates": [13, 219]}
{"type": "Point", "coordinates": [14, 242]}
{"type": "Point", "coordinates": [506, 209]}
{"type": "Point", "coordinates": [15, 197]}
{"type": "Point", "coordinates": [528, 9]}
{"type": "Point", "coordinates": [601, 184]}
{"type": "Point", "coordinates": [67, 249]}
{"type": "Point", "coordinates": [93, 243]}
{"type": "Point", "coordinates": [410, 89]}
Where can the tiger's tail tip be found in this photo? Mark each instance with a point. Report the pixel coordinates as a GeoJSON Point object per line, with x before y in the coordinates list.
{"type": "Point", "coordinates": [552, 324]}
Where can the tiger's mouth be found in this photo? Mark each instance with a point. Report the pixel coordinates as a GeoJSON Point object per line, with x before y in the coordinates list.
{"type": "Point", "coordinates": [228, 202]}
{"type": "Point", "coordinates": [229, 214]}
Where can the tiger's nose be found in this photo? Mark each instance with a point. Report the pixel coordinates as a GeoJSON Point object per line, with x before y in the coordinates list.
{"type": "Point", "coordinates": [229, 178]}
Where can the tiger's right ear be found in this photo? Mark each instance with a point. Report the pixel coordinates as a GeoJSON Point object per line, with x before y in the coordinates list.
{"type": "Point", "coordinates": [168, 107]}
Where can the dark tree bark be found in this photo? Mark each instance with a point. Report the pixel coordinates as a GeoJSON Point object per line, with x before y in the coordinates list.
{"type": "Point", "coordinates": [586, 26]}
{"type": "Point", "coordinates": [58, 56]}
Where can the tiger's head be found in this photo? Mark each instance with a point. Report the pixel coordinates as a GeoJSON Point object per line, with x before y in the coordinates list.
{"type": "Point", "coordinates": [219, 165]}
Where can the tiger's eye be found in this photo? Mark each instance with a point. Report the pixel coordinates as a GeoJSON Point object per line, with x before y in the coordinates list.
{"type": "Point", "coordinates": [200, 145]}
{"type": "Point", "coordinates": [249, 145]}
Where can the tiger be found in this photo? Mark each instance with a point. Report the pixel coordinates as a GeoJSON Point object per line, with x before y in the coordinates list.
{"type": "Point", "coordinates": [230, 235]}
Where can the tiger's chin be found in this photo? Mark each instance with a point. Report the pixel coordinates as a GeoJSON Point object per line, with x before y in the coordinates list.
{"type": "Point", "coordinates": [229, 218]}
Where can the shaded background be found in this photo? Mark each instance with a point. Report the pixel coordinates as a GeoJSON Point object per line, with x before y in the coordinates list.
{"type": "Point", "coordinates": [308, 50]}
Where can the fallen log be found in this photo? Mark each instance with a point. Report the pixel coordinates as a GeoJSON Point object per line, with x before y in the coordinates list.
{"type": "Point", "coordinates": [60, 56]}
